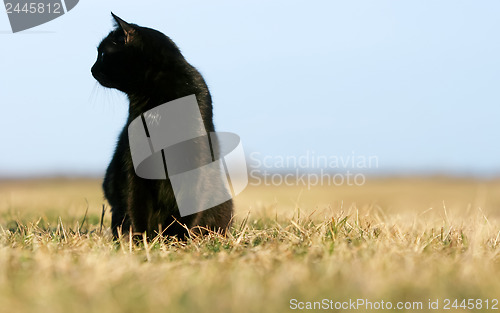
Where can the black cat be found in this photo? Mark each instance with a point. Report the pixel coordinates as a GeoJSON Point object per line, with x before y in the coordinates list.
{"type": "Point", "coordinates": [149, 67]}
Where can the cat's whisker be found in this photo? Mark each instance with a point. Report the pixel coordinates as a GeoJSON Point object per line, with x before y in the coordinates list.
{"type": "Point", "coordinates": [92, 96]}
{"type": "Point", "coordinates": [111, 98]}
{"type": "Point", "coordinates": [115, 95]}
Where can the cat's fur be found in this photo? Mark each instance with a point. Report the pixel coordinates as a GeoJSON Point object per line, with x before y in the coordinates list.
{"type": "Point", "coordinates": [149, 67]}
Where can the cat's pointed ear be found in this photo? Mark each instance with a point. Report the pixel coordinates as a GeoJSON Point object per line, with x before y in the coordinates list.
{"type": "Point", "coordinates": [128, 29]}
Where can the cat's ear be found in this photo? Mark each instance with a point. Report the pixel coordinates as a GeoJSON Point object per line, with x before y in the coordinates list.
{"type": "Point", "coordinates": [128, 29]}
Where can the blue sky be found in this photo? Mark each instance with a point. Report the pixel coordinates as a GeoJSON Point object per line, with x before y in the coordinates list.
{"type": "Point", "coordinates": [415, 83]}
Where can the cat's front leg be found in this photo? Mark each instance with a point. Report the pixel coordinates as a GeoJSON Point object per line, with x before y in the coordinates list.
{"type": "Point", "coordinates": [120, 222]}
{"type": "Point", "coordinates": [139, 206]}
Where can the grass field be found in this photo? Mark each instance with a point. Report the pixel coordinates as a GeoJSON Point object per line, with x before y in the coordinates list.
{"type": "Point", "coordinates": [400, 240]}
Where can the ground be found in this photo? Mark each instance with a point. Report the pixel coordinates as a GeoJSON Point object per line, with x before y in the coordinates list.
{"type": "Point", "coordinates": [403, 241]}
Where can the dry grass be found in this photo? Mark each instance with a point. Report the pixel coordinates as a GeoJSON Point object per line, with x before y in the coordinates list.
{"type": "Point", "coordinates": [392, 240]}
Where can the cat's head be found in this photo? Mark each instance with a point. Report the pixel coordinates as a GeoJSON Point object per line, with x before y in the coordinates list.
{"type": "Point", "coordinates": [131, 57]}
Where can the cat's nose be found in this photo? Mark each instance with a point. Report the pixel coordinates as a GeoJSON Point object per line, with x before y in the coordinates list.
{"type": "Point", "coordinates": [95, 72]}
